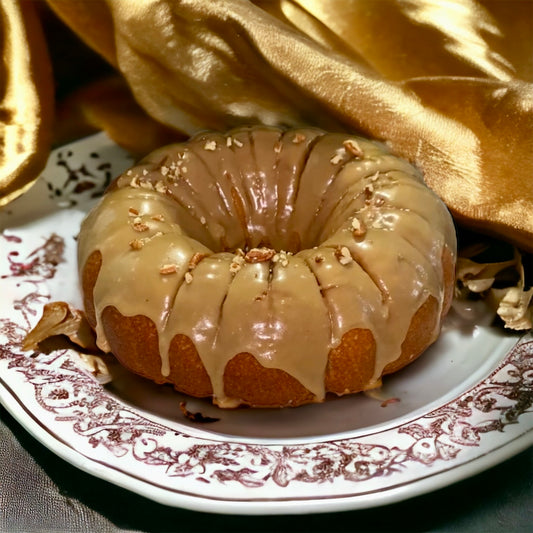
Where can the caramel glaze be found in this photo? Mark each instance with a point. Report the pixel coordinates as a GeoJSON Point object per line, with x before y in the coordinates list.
{"type": "Point", "coordinates": [274, 243]}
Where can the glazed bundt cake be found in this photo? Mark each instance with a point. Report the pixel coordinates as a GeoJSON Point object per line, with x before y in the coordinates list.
{"type": "Point", "coordinates": [267, 267]}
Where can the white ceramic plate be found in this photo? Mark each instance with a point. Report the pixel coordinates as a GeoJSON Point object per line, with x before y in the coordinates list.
{"type": "Point", "coordinates": [461, 408]}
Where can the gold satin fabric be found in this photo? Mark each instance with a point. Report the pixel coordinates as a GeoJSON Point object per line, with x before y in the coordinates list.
{"type": "Point", "coordinates": [448, 85]}
{"type": "Point", "coordinates": [26, 99]}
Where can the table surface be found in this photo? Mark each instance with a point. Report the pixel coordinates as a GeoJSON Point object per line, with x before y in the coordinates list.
{"type": "Point", "coordinates": [39, 492]}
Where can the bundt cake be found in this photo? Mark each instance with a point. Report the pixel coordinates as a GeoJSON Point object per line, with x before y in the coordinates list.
{"type": "Point", "coordinates": [268, 267]}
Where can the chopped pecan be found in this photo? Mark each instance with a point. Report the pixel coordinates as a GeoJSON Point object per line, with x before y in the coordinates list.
{"type": "Point", "coordinates": [352, 146]}
{"type": "Point", "coordinates": [168, 269]}
{"type": "Point", "coordinates": [195, 259]}
{"type": "Point", "coordinates": [259, 255]}
{"type": "Point", "coordinates": [358, 228]}
{"type": "Point", "coordinates": [343, 255]}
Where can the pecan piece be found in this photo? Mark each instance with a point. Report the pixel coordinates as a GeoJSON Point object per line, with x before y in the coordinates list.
{"type": "Point", "coordinates": [259, 255]}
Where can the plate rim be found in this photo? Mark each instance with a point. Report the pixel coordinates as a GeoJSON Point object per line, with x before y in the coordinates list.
{"type": "Point", "coordinates": [378, 498]}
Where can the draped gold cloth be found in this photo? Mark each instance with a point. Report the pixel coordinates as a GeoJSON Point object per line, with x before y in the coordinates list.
{"type": "Point", "coordinates": [26, 99]}
{"type": "Point", "coordinates": [448, 85]}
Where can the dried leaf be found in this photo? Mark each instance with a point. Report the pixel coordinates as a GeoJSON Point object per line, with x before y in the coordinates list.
{"type": "Point", "coordinates": [507, 295]}
{"type": "Point", "coordinates": [59, 318]}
